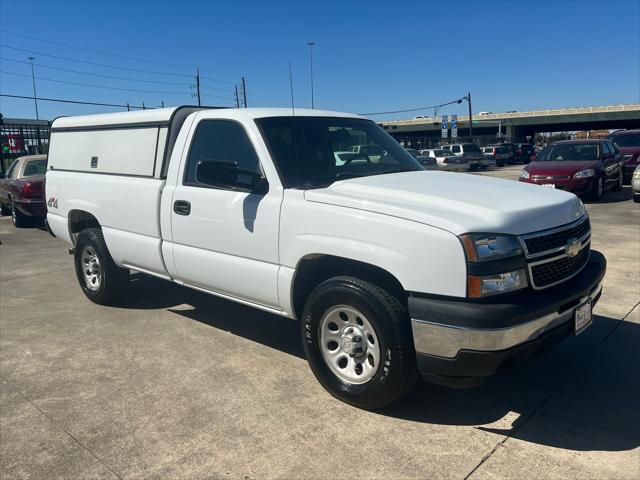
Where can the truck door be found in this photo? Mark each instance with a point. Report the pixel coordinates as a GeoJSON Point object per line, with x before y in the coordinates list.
{"type": "Point", "coordinates": [225, 237]}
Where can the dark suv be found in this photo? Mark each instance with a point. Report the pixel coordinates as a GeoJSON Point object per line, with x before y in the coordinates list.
{"type": "Point", "coordinates": [628, 142]}
{"type": "Point", "coordinates": [524, 152]}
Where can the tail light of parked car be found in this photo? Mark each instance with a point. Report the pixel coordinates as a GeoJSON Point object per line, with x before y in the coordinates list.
{"type": "Point", "coordinates": [32, 190]}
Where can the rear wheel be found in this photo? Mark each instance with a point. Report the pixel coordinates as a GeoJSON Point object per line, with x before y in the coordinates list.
{"type": "Point", "coordinates": [101, 280]}
{"type": "Point", "coordinates": [618, 186]}
{"type": "Point", "coordinates": [4, 209]}
{"type": "Point", "coordinates": [357, 339]}
{"type": "Point", "coordinates": [19, 220]}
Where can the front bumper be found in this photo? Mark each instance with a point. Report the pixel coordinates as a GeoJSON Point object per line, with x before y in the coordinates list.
{"type": "Point", "coordinates": [578, 186]}
{"type": "Point", "coordinates": [460, 342]}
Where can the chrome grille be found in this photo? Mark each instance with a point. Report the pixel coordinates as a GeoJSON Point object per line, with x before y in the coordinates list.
{"type": "Point", "coordinates": [557, 254]}
{"type": "Point", "coordinates": [550, 273]}
{"type": "Point", "coordinates": [556, 239]}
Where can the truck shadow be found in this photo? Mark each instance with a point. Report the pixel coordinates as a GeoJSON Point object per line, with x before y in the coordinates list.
{"type": "Point", "coordinates": [583, 394]}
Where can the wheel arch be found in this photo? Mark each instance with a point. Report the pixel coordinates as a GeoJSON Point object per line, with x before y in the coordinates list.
{"type": "Point", "coordinates": [80, 220]}
{"type": "Point", "coordinates": [314, 269]}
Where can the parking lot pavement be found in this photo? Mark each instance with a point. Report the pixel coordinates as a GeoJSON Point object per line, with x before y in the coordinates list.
{"type": "Point", "coordinates": [176, 383]}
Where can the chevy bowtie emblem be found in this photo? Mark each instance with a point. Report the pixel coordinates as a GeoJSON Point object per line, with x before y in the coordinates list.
{"type": "Point", "coordinates": [573, 247]}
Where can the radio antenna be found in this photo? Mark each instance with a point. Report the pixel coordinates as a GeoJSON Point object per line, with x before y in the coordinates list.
{"type": "Point", "coordinates": [293, 108]}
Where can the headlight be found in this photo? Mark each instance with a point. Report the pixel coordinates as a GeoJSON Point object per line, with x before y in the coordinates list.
{"type": "Point", "coordinates": [524, 173]}
{"type": "Point", "coordinates": [484, 253]}
{"type": "Point", "coordinates": [589, 172]}
{"type": "Point", "coordinates": [493, 284]}
{"type": "Point", "coordinates": [636, 173]}
{"type": "Point", "coordinates": [482, 247]}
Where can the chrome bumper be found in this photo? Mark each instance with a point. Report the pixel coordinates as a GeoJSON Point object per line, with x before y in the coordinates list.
{"type": "Point", "coordinates": [446, 341]}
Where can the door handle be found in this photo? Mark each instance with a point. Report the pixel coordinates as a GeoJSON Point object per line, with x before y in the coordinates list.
{"type": "Point", "coordinates": [182, 207]}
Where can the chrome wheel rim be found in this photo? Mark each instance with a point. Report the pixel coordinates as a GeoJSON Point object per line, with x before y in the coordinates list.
{"type": "Point", "coordinates": [14, 215]}
{"type": "Point", "coordinates": [349, 345]}
{"type": "Point", "coordinates": [91, 268]}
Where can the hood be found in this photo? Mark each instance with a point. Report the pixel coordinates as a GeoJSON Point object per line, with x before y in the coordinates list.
{"type": "Point", "coordinates": [456, 202]}
{"type": "Point", "coordinates": [564, 167]}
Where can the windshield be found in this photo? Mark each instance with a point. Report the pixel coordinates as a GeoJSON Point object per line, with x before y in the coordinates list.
{"type": "Point", "coordinates": [309, 152]}
{"type": "Point", "coordinates": [626, 140]}
{"type": "Point", "coordinates": [35, 168]}
{"type": "Point", "coordinates": [441, 153]}
{"type": "Point", "coordinates": [568, 151]}
{"type": "Point", "coordinates": [471, 147]}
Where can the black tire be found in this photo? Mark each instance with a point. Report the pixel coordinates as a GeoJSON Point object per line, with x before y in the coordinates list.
{"type": "Point", "coordinates": [397, 370]}
{"type": "Point", "coordinates": [19, 219]}
{"type": "Point", "coordinates": [618, 185]}
{"type": "Point", "coordinates": [4, 209]}
{"type": "Point", "coordinates": [598, 190]}
{"type": "Point", "coordinates": [500, 164]}
{"type": "Point", "coordinates": [636, 198]}
{"type": "Point", "coordinates": [113, 280]}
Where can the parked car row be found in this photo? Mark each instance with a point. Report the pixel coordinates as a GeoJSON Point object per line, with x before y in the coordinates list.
{"type": "Point", "coordinates": [584, 167]}
{"type": "Point", "coordinates": [22, 190]}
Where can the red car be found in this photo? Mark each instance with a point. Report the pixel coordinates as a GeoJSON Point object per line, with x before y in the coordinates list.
{"type": "Point", "coordinates": [584, 167]}
{"type": "Point", "coordinates": [22, 190]}
{"type": "Point", "coordinates": [628, 142]}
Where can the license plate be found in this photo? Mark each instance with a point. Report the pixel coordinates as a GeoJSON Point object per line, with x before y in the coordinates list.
{"type": "Point", "coordinates": [549, 185]}
{"type": "Point", "coordinates": [583, 317]}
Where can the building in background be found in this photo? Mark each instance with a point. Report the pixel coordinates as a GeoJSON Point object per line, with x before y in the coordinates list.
{"type": "Point", "coordinates": [585, 134]}
{"type": "Point", "coordinates": [21, 136]}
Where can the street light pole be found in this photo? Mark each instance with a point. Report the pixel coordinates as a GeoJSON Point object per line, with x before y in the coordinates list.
{"type": "Point", "coordinates": [311, 44]}
{"type": "Point", "coordinates": [470, 116]}
{"type": "Point", "coordinates": [33, 79]}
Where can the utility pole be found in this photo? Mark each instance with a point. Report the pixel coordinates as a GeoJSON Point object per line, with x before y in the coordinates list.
{"type": "Point", "coordinates": [237, 98]}
{"type": "Point", "coordinates": [162, 103]}
{"type": "Point", "coordinates": [311, 44]}
{"type": "Point", "coordinates": [470, 116]}
{"type": "Point", "coordinates": [198, 84]}
{"type": "Point", "coordinates": [244, 92]}
{"type": "Point", "coordinates": [143, 107]}
{"type": "Point", "coordinates": [128, 107]}
{"type": "Point", "coordinates": [33, 79]}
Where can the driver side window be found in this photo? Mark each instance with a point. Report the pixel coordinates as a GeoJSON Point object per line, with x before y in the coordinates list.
{"type": "Point", "coordinates": [220, 140]}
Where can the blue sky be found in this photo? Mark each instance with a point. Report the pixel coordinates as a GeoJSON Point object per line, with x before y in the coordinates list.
{"type": "Point", "coordinates": [369, 56]}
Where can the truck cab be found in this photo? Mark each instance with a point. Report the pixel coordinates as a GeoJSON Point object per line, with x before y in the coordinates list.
{"type": "Point", "coordinates": [392, 271]}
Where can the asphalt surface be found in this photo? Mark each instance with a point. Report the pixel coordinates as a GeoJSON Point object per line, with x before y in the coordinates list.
{"type": "Point", "coordinates": [174, 383]}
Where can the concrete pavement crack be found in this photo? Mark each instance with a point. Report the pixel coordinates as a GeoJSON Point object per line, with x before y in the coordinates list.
{"type": "Point", "coordinates": [84, 447]}
{"type": "Point", "coordinates": [543, 402]}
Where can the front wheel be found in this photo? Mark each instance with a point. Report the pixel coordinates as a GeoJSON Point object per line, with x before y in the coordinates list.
{"type": "Point", "coordinates": [598, 190]}
{"type": "Point", "coordinates": [358, 342]}
{"type": "Point", "coordinates": [101, 280]}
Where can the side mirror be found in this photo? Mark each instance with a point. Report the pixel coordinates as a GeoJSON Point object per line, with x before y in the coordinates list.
{"type": "Point", "coordinates": [226, 174]}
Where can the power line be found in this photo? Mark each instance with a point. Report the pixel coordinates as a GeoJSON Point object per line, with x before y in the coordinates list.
{"type": "Point", "coordinates": [94, 86]}
{"type": "Point", "coordinates": [216, 80]}
{"type": "Point", "coordinates": [96, 64]}
{"type": "Point", "coordinates": [40, 65]}
{"type": "Point", "coordinates": [414, 109]}
{"type": "Point", "coordinates": [114, 54]}
{"type": "Point", "coordinates": [71, 101]}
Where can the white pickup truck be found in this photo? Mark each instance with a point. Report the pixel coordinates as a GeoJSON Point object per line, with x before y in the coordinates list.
{"type": "Point", "coordinates": [393, 271]}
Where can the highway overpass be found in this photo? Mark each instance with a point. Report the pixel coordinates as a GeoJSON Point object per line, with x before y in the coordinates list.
{"type": "Point", "coordinates": [517, 126]}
